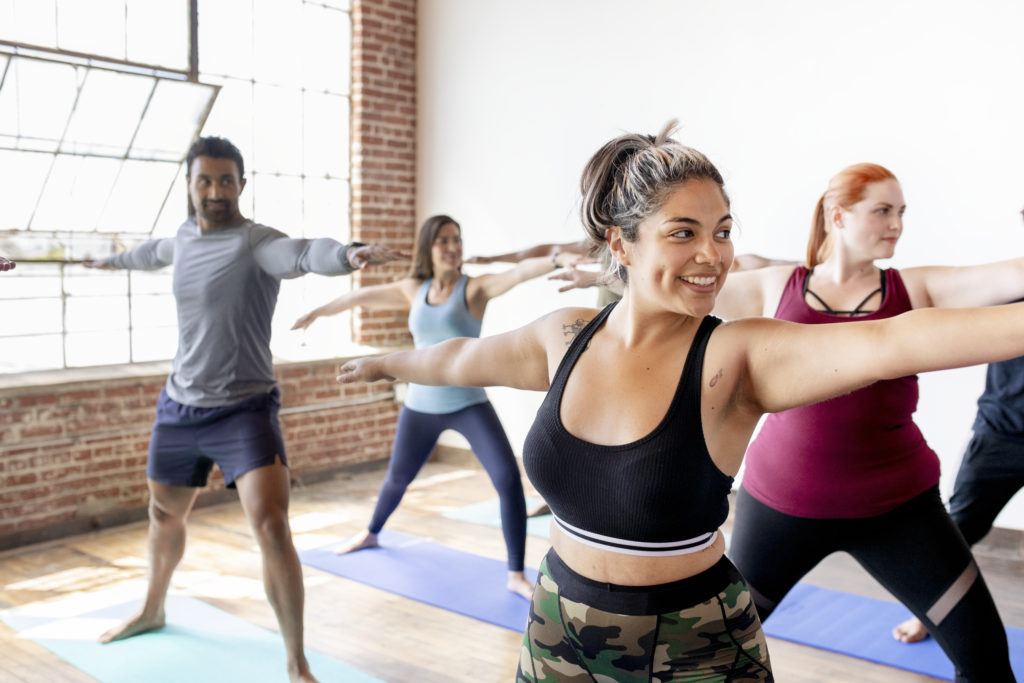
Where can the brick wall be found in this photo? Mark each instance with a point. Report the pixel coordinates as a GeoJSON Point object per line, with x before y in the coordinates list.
{"type": "Point", "coordinates": [73, 451]}
{"type": "Point", "coordinates": [73, 454]}
{"type": "Point", "coordinates": [383, 147]}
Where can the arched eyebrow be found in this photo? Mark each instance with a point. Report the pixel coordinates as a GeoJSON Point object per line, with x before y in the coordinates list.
{"type": "Point", "coordinates": [693, 221]}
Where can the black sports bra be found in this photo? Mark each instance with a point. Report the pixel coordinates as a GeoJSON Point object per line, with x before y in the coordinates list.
{"type": "Point", "coordinates": [659, 495]}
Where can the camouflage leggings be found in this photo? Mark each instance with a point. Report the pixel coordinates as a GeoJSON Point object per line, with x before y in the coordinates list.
{"type": "Point", "coordinates": [717, 639]}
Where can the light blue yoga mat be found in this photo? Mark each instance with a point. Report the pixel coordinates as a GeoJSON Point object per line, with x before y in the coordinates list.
{"type": "Point", "coordinates": [489, 513]}
{"type": "Point", "coordinates": [199, 644]}
{"type": "Point", "coordinates": [416, 568]}
{"type": "Point", "coordinates": [861, 627]}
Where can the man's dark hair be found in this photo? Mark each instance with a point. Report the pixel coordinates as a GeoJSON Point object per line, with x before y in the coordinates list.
{"type": "Point", "coordinates": [217, 148]}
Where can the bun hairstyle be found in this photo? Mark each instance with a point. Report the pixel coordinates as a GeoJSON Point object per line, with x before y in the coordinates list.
{"type": "Point", "coordinates": [629, 178]}
{"type": "Point", "coordinates": [844, 190]}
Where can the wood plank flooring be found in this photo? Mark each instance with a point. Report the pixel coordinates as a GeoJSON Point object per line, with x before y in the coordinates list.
{"type": "Point", "coordinates": [386, 636]}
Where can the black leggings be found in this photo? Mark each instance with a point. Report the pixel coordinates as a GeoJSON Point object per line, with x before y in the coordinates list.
{"type": "Point", "coordinates": [991, 472]}
{"type": "Point", "coordinates": [416, 437]}
{"type": "Point", "coordinates": [915, 551]}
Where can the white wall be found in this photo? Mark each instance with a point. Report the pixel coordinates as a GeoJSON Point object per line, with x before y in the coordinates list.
{"type": "Point", "coordinates": [515, 96]}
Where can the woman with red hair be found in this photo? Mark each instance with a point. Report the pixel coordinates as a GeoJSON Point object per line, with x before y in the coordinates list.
{"type": "Point", "coordinates": [854, 473]}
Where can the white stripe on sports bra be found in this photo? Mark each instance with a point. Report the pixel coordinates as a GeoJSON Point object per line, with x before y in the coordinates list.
{"type": "Point", "coordinates": [627, 547]}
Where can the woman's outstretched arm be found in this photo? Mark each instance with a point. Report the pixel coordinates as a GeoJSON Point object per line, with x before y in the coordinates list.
{"type": "Point", "coordinates": [396, 295]}
{"type": "Point", "coordinates": [789, 364]}
{"type": "Point", "coordinates": [521, 359]}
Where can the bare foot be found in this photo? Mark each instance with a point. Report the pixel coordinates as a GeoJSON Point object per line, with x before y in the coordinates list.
{"type": "Point", "coordinates": [518, 584]}
{"type": "Point", "coordinates": [302, 675]}
{"type": "Point", "coordinates": [910, 631]}
{"type": "Point", "coordinates": [140, 623]}
{"type": "Point", "coordinates": [539, 509]}
{"type": "Point", "coordinates": [360, 541]}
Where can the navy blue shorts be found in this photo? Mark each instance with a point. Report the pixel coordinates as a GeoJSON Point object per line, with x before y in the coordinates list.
{"type": "Point", "coordinates": [187, 441]}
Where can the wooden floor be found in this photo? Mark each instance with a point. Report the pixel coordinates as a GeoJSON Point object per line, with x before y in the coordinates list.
{"type": "Point", "coordinates": [386, 636]}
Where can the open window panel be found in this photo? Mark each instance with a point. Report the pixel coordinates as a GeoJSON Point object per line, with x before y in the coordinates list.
{"type": "Point", "coordinates": [91, 153]}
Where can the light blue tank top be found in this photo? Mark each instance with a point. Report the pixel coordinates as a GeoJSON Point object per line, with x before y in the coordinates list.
{"type": "Point", "coordinates": [431, 324]}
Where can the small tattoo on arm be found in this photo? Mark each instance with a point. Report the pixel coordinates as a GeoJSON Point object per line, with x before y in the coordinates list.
{"type": "Point", "coordinates": [572, 330]}
{"type": "Point", "coordinates": [718, 376]}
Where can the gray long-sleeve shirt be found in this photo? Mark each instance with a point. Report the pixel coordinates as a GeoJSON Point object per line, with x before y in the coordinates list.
{"type": "Point", "coordinates": [226, 284]}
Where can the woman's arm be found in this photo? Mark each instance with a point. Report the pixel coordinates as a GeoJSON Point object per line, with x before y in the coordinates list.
{"type": "Point", "coordinates": [397, 295]}
{"type": "Point", "coordinates": [961, 286]}
{"type": "Point", "coordinates": [485, 287]}
{"type": "Point", "coordinates": [751, 293]}
{"type": "Point", "coordinates": [517, 359]}
{"type": "Point", "coordinates": [789, 364]}
{"type": "Point", "coordinates": [531, 252]}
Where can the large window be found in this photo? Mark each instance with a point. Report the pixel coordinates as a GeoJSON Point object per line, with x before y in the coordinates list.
{"type": "Point", "coordinates": [97, 110]}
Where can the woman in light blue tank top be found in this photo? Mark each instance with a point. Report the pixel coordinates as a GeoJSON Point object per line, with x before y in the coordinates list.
{"type": "Point", "coordinates": [443, 304]}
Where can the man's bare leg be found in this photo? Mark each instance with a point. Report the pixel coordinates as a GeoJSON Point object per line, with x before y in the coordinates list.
{"type": "Point", "coordinates": [264, 494]}
{"type": "Point", "coordinates": [168, 510]}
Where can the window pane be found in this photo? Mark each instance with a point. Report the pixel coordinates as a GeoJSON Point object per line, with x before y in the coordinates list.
{"type": "Point", "coordinates": [97, 348]}
{"type": "Point", "coordinates": [326, 209]}
{"type": "Point", "coordinates": [96, 26]}
{"type": "Point", "coordinates": [326, 49]}
{"type": "Point", "coordinates": [80, 281]}
{"type": "Point", "coordinates": [37, 280]}
{"type": "Point", "coordinates": [33, 22]}
{"type": "Point", "coordinates": [158, 32]}
{"type": "Point", "coordinates": [96, 126]}
{"type": "Point", "coordinates": [232, 115]}
{"type": "Point", "coordinates": [277, 132]}
{"type": "Point", "coordinates": [340, 4]}
{"type": "Point", "coordinates": [154, 344]}
{"type": "Point", "coordinates": [175, 208]}
{"type": "Point", "coordinates": [278, 40]}
{"type": "Point", "coordinates": [75, 193]}
{"type": "Point", "coordinates": [137, 195]}
{"type": "Point", "coordinates": [278, 203]}
{"type": "Point", "coordinates": [30, 316]}
{"type": "Point", "coordinates": [153, 310]}
{"type": "Point", "coordinates": [36, 100]}
{"type": "Point", "coordinates": [171, 119]}
{"type": "Point", "coordinates": [21, 175]}
{"type": "Point", "coordinates": [146, 282]}
{"type": "Point", "coordinates": [96, 313]}
{"type": "Point", "coordinates": [21, 354]}
{"type": "Point", "coordinates": [325, 138]}
{"type": "Point", "coordinates": [225, 37]}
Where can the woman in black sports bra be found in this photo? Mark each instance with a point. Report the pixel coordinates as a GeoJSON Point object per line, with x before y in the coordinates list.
{"type": "Point", "coordinates": [650, 405]}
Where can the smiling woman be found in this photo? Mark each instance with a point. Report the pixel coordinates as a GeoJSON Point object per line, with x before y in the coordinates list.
{"type": "Point", "coordinates": [650, 404]}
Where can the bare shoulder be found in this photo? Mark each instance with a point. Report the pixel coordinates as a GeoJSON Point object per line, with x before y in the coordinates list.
{"type": "Point", "coordinates": [561, 326]}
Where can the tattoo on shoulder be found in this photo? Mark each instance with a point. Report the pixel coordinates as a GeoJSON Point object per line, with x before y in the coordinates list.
{"type": "Point", "coordinates": [718, 376]}
{"type": "Point", "coordinates": [573, 329]}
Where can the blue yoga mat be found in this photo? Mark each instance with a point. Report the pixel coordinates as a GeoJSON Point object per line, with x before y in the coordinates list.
{"type": "Point", "coordinates": [861, 627]}
{"type": "Point", "coordinates": [489, 513]}
{"type": "Point", "coordinates": [416, 568]}
{"type": "Point", "coordinates": [199, 644]}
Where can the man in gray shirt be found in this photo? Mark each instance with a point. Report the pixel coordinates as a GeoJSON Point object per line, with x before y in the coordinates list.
{"type": "Point", "coordinates": [220, 403]}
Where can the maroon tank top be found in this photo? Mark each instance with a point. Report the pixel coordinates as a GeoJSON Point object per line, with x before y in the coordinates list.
{"type": "Point", "coordinates": [856, 455]}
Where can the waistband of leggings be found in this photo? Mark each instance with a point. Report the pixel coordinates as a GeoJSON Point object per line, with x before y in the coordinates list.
{"type": "Point", "coordinates": [640, 600]}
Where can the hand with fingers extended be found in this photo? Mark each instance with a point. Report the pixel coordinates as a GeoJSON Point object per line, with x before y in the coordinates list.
{"type": "Point", "coordinates": [577, 278]}
{"type": "Point", "coordinates": [101, 264]}
{"type": "Point", "coordinates": [363, 255]}
{"type": "Point", "coordinates": [368, 369]}
{"type": "Point", "coordinates": [306, 320]}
